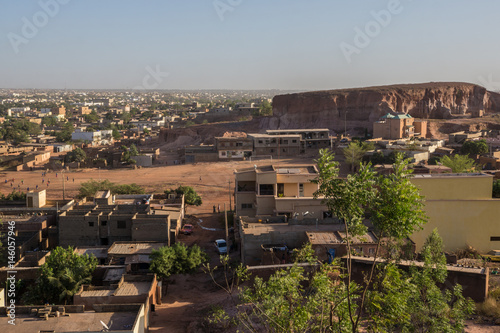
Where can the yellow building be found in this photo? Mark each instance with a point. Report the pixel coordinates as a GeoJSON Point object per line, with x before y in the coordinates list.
{"type": "Point", "coordinates": [275, 190]}
{"type": "Point", "coordinates": [461, 207]}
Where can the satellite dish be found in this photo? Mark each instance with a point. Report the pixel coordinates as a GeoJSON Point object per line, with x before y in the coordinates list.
{"type": "Point", "coordinates": [104, 325]}
{"type": "Point", "coordinates": [305, 213]}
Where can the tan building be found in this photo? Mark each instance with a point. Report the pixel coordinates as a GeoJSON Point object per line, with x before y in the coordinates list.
{"type": "Point", "coordinates": [313, 138]}
{"type": "Point", "coordinates": [275, 190]}
{"type": "Point", "coordinates": [115, 218]}
{"type": "Point", "coordinates": [276, 145]}
{"type": "Point", "coordinates": [399, 126]}
{"type": "Point", "coordinates": [234, 147]}
{"type": "Point", "coordinates": [461, 207]}
{"type": "Point", "coordinates": [59, 111]}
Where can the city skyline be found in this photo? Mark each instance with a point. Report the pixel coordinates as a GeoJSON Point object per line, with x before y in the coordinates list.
{"type": "Point", "coordinates": [245, 45]}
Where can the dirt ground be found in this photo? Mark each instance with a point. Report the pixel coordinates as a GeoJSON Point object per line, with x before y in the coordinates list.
{"type": "Point", "coordinates": [189, 297]}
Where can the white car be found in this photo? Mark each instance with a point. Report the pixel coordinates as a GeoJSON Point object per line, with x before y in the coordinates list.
{"type": "Point", "coordinates": [221, 246]}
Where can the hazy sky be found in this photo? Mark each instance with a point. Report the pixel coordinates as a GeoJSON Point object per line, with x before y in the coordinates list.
{"type": "Point", "coordinates": [246, 44]}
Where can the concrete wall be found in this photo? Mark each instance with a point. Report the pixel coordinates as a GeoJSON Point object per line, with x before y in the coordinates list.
{"type": "Point", "coordinates": [460, 187]}
{"type": "Point", "coordinates": [475, 285]}
{"type": "Point", "coordinates": [143, 160]}
{"type": "Point", "coordinates": [462, 210]}
{"type": "Point", "coordinates": [461, 223]}
{"type": "Point", "coordinates": [251, 244]}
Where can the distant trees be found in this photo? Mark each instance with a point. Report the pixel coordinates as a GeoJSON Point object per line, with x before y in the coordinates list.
{"type": "Point", "coordinates": [128, 153]}
{"type": "Point", "coordinates": [92, 117]}
{"type": "Point", "coordinates": [89, 188]}
{"type": "Point", "coordinates": [60, 277]}
{"type": "Point", "coordinates": [76, 155]}
{"type": "Point", "coordinates": [266, 108]}
{"type": "Point", "coordinates": [14, 196]}
{"type": "Point", "coordinates": [190, 196]}
{"type": "Point", "coordinates": [474, 147]}
{"type": "Point", "coordinates": [18, 131]}
{"type": "Point", "coordinates": [458, 163]}
{"type": "Point", "coordinates": [64, 135]}
{"type": "Point", "coordinates": [355, 151]}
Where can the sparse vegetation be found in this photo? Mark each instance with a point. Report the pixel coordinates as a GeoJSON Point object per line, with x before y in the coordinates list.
{"type": "Point", "coordinates": [459, 163]}
{"type": "Point", "coordinates": [88, 189]}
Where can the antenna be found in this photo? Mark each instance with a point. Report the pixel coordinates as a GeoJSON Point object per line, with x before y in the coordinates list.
{"type": "Point", "coordinates": [106, 328]}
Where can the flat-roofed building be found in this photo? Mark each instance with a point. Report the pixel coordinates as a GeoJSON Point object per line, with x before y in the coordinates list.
{"type": "Point", "coordinates": [109, 219]}
{"type": "Point", "coordinates": [234, 147]}
{"type": "Point", "coordinates": [310, 138]}
{"type": "Point", "coordinates": [119, 318]}
{"type": "Point", "coordinates": [276, 145]}
{"type": "Point", "coordinates": [130, 289]}
{"type": "Point", "coordinates": [278, 190]}
{"type": "Point", "coordinates": [399, 126]}
{"type": "Point", "coordinates": [462, 209]}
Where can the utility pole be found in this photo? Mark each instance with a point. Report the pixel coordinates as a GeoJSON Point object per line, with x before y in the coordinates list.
{"type": "Point", "coordinates": [345, 123]}
{"type": "Point", "coordinates": [229, 187]}
{"type": "Point", "coordinates": [64, 187]}
{"type": "Point", "coordinates": [227, 232]}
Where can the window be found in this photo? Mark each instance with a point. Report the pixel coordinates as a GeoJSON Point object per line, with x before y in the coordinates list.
{"type": "Point", "coordinates": [223, 153]}
{"type": "Point", "coordinates": [494, 238]}
{"type": "Point", "coordinates": [294, 141]}
{"type": "Point", "coordinates": [301, 190]}
{"type": "Point", "coordinates": [281, 190]}
{"type": "Point", "coordinates": [104, 223]}
{"type": "Point", "coordinates": [327, 215]}
{"type": "Point", "coordinates": [266, 189]}
{"type": "Point", "coordinates": [121, 224]}
{"type": "Point", "coordinates": [91, 224]}
{"type": "Point", "coordinates": [246, 206]}
{"type": "Point", "coordinates": [272, 150]}
{"type": "Point", "coordinates": [260, 141]}
{"type": "Point", "coordinates": [284, 150]}
{"type": "Point", "coordinates": [239, 144]}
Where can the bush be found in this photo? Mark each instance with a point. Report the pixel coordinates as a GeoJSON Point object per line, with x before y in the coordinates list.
{"type": "Point", "coordinates": [488, 308]}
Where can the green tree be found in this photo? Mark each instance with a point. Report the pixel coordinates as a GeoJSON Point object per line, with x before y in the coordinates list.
{"type": "Point", "coordinates": [266, 108]}
{"type": "Point", "coordinates": [126, 117]}
{"type": "Point", "coordinates": [478, 147]}
{"type": "Point", "coordinates": [60, 277]}
{"type": "Point", "coordinates": [496, 188]}
{"type": "Point", "coordinates": [353, 154]}
{"type": "Point", "coordinates": [392, 201]}
{"type": "Point", "coordinates": [459, 163]}
{"type": "Point", "coordinates": [92, 117]}
{"type": "Point", "coordinates": [133, 150]}
{"type": "Point", "coordinates": [190, 196]}
{"type": "Point", "coordinates": [64, 135]}
{"type": "Point", "coordinates": [413, 301]}
{"type": "Point", "coordinates": [76, 155]}
{"type": "Point", "coordinates": [89, 188]}
{"type": "Point", "coordinates": [116, 134]}
{"type": "Point", "coordinates": [176, 259]}
{"type": "Point", "coordinates": [14, 196]}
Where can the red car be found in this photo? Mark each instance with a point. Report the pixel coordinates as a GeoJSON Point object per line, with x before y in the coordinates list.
{"type": "Point", "coordinates": [187, 229]}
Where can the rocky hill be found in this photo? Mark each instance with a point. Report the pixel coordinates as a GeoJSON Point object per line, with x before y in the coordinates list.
{"type": "Point", "coordinates": [358, 108]}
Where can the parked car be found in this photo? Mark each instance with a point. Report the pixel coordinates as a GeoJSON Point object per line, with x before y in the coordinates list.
{"type": "Point", "coordinates": [187, 229]}
{"type": "Point", "coordinates": [493, 255]}
{"type": "Point", "coordinates": [221, 246]}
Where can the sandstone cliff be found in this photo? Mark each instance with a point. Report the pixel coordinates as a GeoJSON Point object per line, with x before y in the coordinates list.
{"type": "Point", "coordinates": [359, 108]}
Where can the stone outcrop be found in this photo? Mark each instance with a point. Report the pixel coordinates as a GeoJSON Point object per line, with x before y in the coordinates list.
{"type": "Point", "coordinates": [359, 108]}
